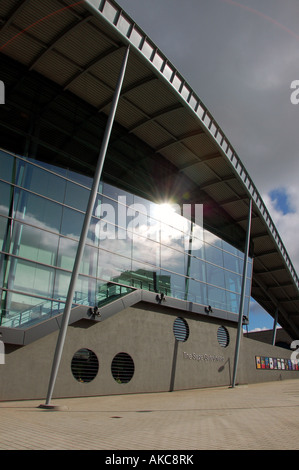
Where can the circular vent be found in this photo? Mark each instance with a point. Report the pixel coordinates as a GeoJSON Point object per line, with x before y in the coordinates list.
{"type": "Point", "coordinates": [122, 368]}
{"type": "Point", "coordinates": [85, 365]}
{"type": "Point", "coordinates": [223, 336]}
{"type": "Point", "coordinates": [181, 329]}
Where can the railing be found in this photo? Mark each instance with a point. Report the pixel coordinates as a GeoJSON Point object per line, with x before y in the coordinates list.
{"type": "Point", "coordinates": [33, 315]}
{"type": "Point", "coordinates": [50, 308]}
{"type": "Point", "coordinates": [139, 40]}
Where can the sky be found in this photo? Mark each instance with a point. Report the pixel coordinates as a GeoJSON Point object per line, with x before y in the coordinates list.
{"type": "Point", "coordinates": [242, 60]}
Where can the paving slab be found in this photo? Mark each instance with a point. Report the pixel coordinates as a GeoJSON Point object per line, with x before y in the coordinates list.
{"type": "Point", "coordinates": [247, 417]}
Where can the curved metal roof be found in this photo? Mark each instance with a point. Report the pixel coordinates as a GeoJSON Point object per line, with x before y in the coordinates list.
{"type": "Point", "coordinates": [79, 45]}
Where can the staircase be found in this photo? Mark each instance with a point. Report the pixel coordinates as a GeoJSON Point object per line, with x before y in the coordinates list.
{"type": "Point", "coordinates": [51, 308]}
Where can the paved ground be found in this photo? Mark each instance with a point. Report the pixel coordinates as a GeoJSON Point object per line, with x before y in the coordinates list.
{"type": "Point", "coordinates": [261, 416]}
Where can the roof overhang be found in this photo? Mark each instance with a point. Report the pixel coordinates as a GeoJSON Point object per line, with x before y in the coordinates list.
{"type": "Point", "coordinates": [79, 45]}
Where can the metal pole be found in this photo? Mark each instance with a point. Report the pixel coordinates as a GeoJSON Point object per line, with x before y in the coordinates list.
{"type": "Point", "coordinates": [274, 327]}
{"type": "Point", "coordinates": [246, 253]}
{"type": "Point", "coordinates": [84, 232]}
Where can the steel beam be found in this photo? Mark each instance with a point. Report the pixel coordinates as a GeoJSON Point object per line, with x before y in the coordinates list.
{"type": "Point", "coordinates": [241, 310]}
{"type": "Point", "coordinates": [84, 232]}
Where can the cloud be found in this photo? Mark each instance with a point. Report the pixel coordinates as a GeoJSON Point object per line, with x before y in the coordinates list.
{"type": "Point", "coordinates": [287, 222]}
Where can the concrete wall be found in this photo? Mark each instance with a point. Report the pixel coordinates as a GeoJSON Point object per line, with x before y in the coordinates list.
{"type": "Point", "coordinates": [162, 363]}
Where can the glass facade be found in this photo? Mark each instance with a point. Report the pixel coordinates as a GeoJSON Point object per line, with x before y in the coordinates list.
{"type": "Point", "coordinates": [132, 243]}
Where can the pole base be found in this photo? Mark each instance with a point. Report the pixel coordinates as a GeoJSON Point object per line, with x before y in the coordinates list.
{"type": "Point", "coordinates": [53, 407]}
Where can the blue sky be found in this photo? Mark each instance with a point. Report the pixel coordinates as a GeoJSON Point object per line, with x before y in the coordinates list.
{"type": "Point", "coordinates": [281, 200]}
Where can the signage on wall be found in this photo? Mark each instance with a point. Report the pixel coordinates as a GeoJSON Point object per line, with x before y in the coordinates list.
{"type": "Point", "coordinates": [276, 363]}
{"type": "Point", "coordinates": [203, 357]}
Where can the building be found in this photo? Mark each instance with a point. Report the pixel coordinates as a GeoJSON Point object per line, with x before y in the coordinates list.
{"type": "Point", "coordinates": [161, 287]}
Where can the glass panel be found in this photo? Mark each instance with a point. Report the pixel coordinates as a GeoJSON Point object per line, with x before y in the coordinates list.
{"type": "Point", "coordinates": [177, 284]}
{"type": "Point", "coordinates": [144, 276]}
{"type": "Point", "coordinates": [29, 277]}
{"type": "Point", "coordinates": [89, 264]}
{"type": "Point", "coordinates": [198, 233]}
{"type": "Point", "coordinates": [114, 193]}
{"type": "Point", "coordinates": [246, 306]}
{"type": "Point", "coordinates": [196, 248]}
{"type": "Point", "coordinates": [137, 220]}
{"type": "Point", "coordinates": [112, 267]}
{"type": "Point", "coordinates": [249, 268]}
{"type": "Point", "coordinates": [106, 212]}
{"type": "Point", "coordinates": [93, 232]}
{"type": "Point", "coordinates": [34, 244]}
{"type": "Point", "coordinates": [24, 308]}
{"type": "Point", "coordinates": [7, 167]}
{"type": "Point", "coordinates": [213, 255]}
{"type": "Point", "coordinates": [233, 302]}
{"type": "Point", "coordinates": [61, 285]}
{"type": "Point", "coordinates": [112, 238]}
{"type": "Point", "coordinates": [173, 260]}
{"type": "Point", "coordinates": [3, 229]}
{"type": "Point", "coordinates": [39, 211]}
{"type": "Point", "coordinates": [197, 292]}
{"type": "Point", "coordinates": [146, 250]}
{"type": "Point", "coordinates": [79, 178]}
{"type": "Point", "coordinates": [215, 275]}
{"type": "Point", "coordinates": [6, 193]}
{"type": "Point", "coordinates": [43, 182]}
{"type": "Point", "coordinates": [85, 291]}
{"type": "Point", "coordinates": [72, 222]}
{"type": "Point", "coordinates": [197, 268]}
{"type": "Point", "coordinates": [248, 287]}
{"type": "Point", "coordinates": [233, 281]}
{"type": "Point", "coordinates": [66, 253]}
{"type": "Point", "coordinates": [233, 263]}
{"type": "Point", "coordinates": [216, 297]}
{"type": "Point", "coordinates": [231, 249]}
{"type": "Point", "coordinates": [48, 166]}
{"type": "Point", "coordinates": [76, 196]}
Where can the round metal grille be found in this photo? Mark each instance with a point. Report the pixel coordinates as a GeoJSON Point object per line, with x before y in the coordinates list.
{"type": "Point", "coordinates": [122, 368]}
{"type": "Point", "coordinates": [223, 336]}
{"type": "Point", "coordinates": [85, 365]}
{"type": "Point", "coordinates": [181, 329]}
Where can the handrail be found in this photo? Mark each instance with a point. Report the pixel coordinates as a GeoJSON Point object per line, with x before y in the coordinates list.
{"type": "Point", "coordinates": [49, 308]}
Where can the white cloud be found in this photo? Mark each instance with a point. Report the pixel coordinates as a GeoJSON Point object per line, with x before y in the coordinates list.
{"type": "Point", "coordinates": [287, 224]}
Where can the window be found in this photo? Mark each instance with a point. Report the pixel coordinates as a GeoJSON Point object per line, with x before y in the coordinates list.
{"type": "Point", "coordinates": [85, 365]}
{"type": "Point", "coordinates": [181, 329]}
{"type": "Point", "coordinates": [223, 336]}
{"type": "Point", "coordinates": [122, 368]}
